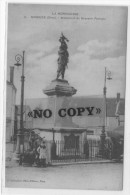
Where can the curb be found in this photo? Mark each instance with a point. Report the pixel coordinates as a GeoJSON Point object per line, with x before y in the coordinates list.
{"type": "Point", "coordinates": [81, 162]}
{"type": "Point", "coordinates": [15, 164]}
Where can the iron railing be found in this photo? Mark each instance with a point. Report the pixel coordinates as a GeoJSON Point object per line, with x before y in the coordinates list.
{"type": "Point", "coordinates": [81, 151]}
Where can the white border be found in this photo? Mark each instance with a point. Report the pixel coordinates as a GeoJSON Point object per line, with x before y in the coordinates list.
{"type": "Point", "coordinates": [3, 23]}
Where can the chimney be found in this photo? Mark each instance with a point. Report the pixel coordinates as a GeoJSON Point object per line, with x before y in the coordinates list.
{"type": "Point", "coordinates": [118, 97]}
{"type": "Point", "coordinates": [11, 74]}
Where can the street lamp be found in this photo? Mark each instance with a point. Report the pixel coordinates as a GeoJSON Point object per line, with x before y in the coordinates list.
{"type": "Point", "coordinates": [103, 135]}
{"type": "Point", "coordinates": [20, 134]}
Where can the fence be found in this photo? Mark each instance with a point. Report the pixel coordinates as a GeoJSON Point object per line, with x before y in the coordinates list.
{"type": "Point", "coordinates": [74, 150]}
{"type": "Point", "coordinates": [80, 151]}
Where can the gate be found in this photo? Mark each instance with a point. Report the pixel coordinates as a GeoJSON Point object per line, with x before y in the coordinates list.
{"type": "Point", "coordinates": [89, 150]}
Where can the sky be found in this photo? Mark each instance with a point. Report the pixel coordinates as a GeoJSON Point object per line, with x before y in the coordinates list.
{"type": "Point", "coordinates": [97, 39]}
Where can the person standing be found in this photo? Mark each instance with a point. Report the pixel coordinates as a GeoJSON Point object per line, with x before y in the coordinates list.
{"type": "Point", "coordinates": [42, 153]}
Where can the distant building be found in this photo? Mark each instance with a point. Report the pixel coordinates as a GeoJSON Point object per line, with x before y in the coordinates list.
{"type": "Point", "coordinates": [10, 106]}
{"type": "Point", "coordinates": [92, 124]}
{"type": "Point", "coordinates": [10, 114]}
{"type": "Point", "coordinates": [120, 110]}
{"type": "Point", "coordinates": [27, 123]}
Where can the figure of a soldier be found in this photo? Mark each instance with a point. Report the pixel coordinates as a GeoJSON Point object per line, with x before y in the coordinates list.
{"type": "Point", "coordinates": [63, 56]}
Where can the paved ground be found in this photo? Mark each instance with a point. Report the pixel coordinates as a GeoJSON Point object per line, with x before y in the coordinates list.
{"type": "Point", "coordinates": [106, 176]}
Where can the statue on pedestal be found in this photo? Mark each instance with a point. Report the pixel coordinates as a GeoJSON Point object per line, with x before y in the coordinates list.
{"type": "Point", "coordinates": [61, 87]}
{"type": "Point", "coordinates": [63, 56]}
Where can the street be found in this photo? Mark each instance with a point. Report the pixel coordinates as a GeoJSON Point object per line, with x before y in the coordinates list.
{"type": "Point", "coordinates": [102, 176]}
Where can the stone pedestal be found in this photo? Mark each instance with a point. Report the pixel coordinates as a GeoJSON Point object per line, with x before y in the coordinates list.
{"type": "Point", "coordinates": [59, 87]}
{"type": "Point", "coordinates": [62, 92]}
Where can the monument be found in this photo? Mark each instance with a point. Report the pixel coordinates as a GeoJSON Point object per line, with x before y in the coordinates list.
{"type": "Point", "coordinates": [62, 92]}
{"type": "Point", "coordinates": [61, 87]}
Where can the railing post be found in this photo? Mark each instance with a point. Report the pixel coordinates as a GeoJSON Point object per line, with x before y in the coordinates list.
{"type": "Point", "coordinates": [75, 150]}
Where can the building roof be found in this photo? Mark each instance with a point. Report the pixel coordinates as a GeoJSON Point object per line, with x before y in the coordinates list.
{"type": "Point", "coordinates": [13, 86]}
{"type": "Point", "coordinates": [113, 108]}
{"type": "Point", "coordinates": [121, 108]}
{"type": "Point", "coordinates": [25, 108]}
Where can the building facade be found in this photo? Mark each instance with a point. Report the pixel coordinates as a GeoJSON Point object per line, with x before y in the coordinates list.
{"type": "Point", "coordinates": [10, 107]}
{"type": "Point", "coordinates": [81, 114]}
{"type": "Point", "coordinates": [10, 115]}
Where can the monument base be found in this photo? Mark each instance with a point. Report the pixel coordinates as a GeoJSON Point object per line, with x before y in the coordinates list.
{"type": "Point", "coordinates": [60, 87]}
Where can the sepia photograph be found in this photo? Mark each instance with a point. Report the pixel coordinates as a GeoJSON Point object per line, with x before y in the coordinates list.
{"type": "Point", "coordinates": [65, 96]}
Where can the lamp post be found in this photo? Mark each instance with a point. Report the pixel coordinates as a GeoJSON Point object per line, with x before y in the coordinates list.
{"type": "Point", "coordinates": [103, 134]}
{"type": "Point", "coordinates": [20, 134]}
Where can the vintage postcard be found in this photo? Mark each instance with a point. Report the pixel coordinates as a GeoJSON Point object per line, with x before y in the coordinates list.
{"type": "Point", "coordinates": [65, 96]}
